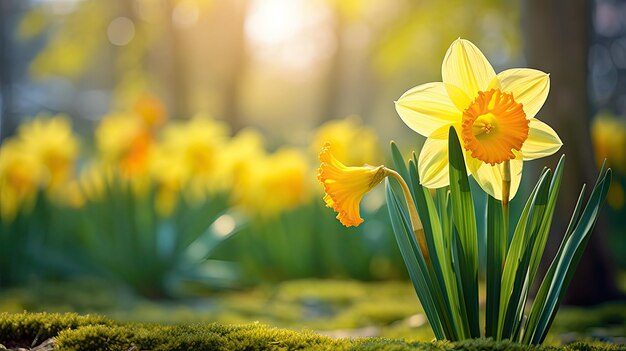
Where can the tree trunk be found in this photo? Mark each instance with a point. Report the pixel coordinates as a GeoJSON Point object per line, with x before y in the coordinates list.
{"type": "Point", "coordinates": [557, 42]}
{"type": "Point", "coordinates": [8, 120]}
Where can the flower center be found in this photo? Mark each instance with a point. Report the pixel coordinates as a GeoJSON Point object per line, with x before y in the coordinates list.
{"type": "Point", "coordinates": [493, 126]}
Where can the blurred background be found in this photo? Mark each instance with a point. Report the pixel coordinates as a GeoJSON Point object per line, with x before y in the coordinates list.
{"type": "Point", "coordinates": [159, 156]}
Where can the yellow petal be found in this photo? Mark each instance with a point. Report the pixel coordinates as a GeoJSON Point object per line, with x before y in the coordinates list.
{"type": "Point", "coordinates": [542, 141]}
{"type": "Point", "coordinates": [433, 163]}
{"type": "Point", "coordinates": [529, 87]}
{"type": "Point", "coordinates": [426, 108]}
{"type": "Point", "coordinates": [465, 67]}
{"type": "Point", "coordinates": [458, 97]}
{"type": "Point", "coordinates": [490, 177]}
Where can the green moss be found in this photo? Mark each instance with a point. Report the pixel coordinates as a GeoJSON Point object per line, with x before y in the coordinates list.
{"type": "Point", "coordinates": [74, 333]}
{"type": "Point", "coordinates": [193, 337]}
{"type": "Point", "coordinates": [594, 346]}
{"type": "Point", "coordinates": [33, 328]}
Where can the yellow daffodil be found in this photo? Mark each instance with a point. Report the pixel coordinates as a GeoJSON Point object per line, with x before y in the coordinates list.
{"type": "Point", "coordinates": [151, 110]}
{"type": "Point", "coordinates": [275, 183]}
{"type": "Point", "coordinates": [344, 186]}
{"type": "Point", "coordinates": [53, 144]}
{"type": "Point", "coordinates": [352, 142]}
{"type": "Point", "coordinates": [190, 151]}
{"type": "Point", "coordinates": [494, 116]}
{"type": "Point", "coordinates": [124, 141]}
{"type": "Point", "coordinates": [608, 134]}
{"type": "Point", "coordinates": [19, 179]}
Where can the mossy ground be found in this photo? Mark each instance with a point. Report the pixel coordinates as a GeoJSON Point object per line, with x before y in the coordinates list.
{"type": "Point", "coordinates": [70, 331]}
{"type": "Point", "coordinates": [338, 308]}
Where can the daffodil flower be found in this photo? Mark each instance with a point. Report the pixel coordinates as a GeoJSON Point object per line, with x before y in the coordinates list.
{"type": "Point", "coordinates": [494, 116]}
{"type": "Point", "coordinates": [344, 187]}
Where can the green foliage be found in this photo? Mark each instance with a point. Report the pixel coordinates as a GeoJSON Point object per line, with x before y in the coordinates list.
{"type": "Point", "coordinates": [26, 243]}
{"type": "Point", "coordinates": [74, 332]}
{"type": "Point", "coordinates": [446, 277]}
{"type": "Point", "coordinates": [122, 235]}
{"type": "Point", "coordinates": [307, 242]}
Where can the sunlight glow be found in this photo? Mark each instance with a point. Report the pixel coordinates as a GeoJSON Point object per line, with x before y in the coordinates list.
{"type": "Point", "coordinates": [291, 33]}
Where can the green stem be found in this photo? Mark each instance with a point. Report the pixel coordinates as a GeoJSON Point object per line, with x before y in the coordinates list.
{"type": "Point", "coordinates": [506, 194]}
{"type": "Point", "coordinates": [416, 223]}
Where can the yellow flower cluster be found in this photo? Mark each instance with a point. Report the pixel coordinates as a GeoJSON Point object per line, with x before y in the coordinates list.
{"type": "Point", "coordinates": [191, 160]}
{"type": "Point", "coordinates": [41, 155]}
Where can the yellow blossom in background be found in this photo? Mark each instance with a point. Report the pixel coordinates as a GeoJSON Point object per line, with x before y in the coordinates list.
{"type": "Point", "coordinates": [170, 176]}
{"type": "Point", "coordinates": [193, 148]}
{"type": "Point", "coordinates": [608, 135]}
{"type": "Point", "coordinates": [52, 143]}
{"type": "Point", "coordinates": [151, 110]}
{"type": "Point", "coordinates": [237, 160]}
{"type": "Point", "coordinates": [19, 179]}
{"type": "Point", "coordinates": [344, 187]}
{"type": "Point", "coordinates": [276, 183]}
{"type": "Point", "coordinates": [124, 141]}
{"type": "Point", "coordinates": [351, 141]}
{"type": "Point", "coordinates": [493, 115]}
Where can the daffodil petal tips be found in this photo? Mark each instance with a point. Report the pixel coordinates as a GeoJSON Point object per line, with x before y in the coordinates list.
{"type": "Point", "coordinates": [344, 187]}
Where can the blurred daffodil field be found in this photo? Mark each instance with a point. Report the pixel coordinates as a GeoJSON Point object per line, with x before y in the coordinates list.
{"type": "Point", "coordinates": [161, 156]}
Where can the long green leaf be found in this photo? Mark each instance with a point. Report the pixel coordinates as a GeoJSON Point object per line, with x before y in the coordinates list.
{"type": "Point", "coordinates": [496, 250]}
{"type": "Point", "coordinates": [413, 259]}
{"type": "Point", "coordinates": [441, 269]}
{"type": "Point", "coordinates": [514, 256]}
{"type": "Point", "coordinates": [463, 216]}
{"type": "Point", "coordinates": [542, 293]}
{"type": "Point", "coordinates": [570, 256]}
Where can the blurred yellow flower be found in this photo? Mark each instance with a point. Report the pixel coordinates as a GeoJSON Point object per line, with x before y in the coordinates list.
{"type": "Point", "coordinates": [236, 159]}
{"type": "Point", "coordinates": [493, 115]}
{"type": "Point", "coordinates": [608, 135]}
{"type": "Point", "coordinates": [124, 141]}
{"type": "Point", "coordinates": [351, 141]}
{"type": "Point", "coordinates": [189, 155]}
{"type": "Point", "coordinates": [19, 179]}
{"type": "Point", "coordinates": [344, 187]}
{"type": "Point", "coordinates": [53, 145]}
{"type": "Point", "coordinates": [276, 183]}
{"type": "Point", "coordinates": [151, 110]}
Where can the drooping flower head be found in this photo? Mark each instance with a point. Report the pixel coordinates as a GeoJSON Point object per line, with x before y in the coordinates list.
{"type": "Point", "coordinates": [494, 116]}
{"type": "Point", "coordinates": [344, 187]}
